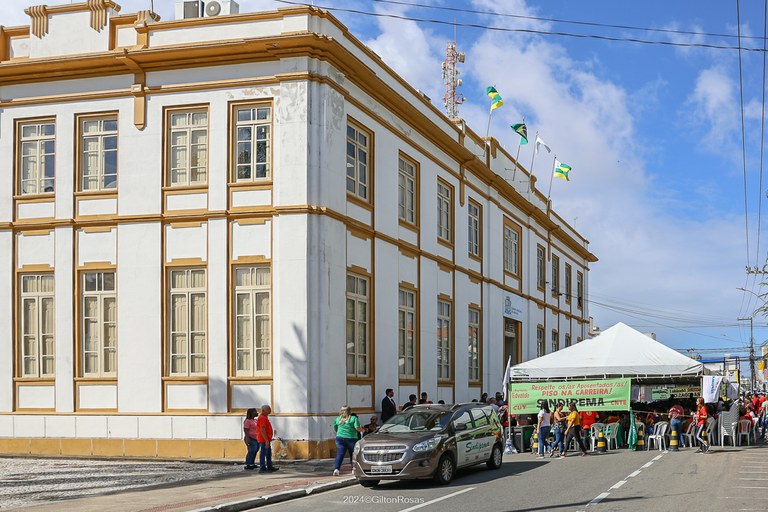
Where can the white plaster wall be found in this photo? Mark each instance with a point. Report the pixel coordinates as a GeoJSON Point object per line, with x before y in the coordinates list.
{"type": "Point", "coordinates": [359, 396]}
{"type": "Point", "coordinates": [326, 167]}
{"type": "Point", "coordinates": [224, 427]}
{"type": "Point", "coordinates": [6, 426]}
{"type": "Point", "coordinates": [245, 396]}
{"type": "Point", "coordinates": [246, 30]}
{"type": "Point", "coordinates": [244, 198]}
{"type": "Point", "coordinates": [99, 246]}
{"type": "Point", "coordinates": [461, 335]}
{"type": "Point", "coordinates": [428, 323]}
{"type": "Point", "coordinates": [64, 309]}
{"type": "Point", "coordinates": [35, 249]}
{"type": "Point", "coordinates": [37, 397]}
{"type": "Point", "coordinates": [155, 427]}
{"type": "Point", "coordinates": [358, 252]}
{"type": "Point", "coordinates": [56, 87]}
{"type": "Point", "coordinates": [446, 394]}
{"type": "Point", "coordinates": [86, 207]}
{"type": "Point", "coordinates": [98, 397]}
{"type": "Point", "coordinates": [289, 307]}
{"type": "Point", "coordinates": [140, 160]}
{"type": "Point", "coordinates": [252, 240]}
{"type": "Point", "coordinates": [91, 426]}
{"type": "Point", "coordinates": [189, 427]}
{"type": "Point", "coordinates": [6, 321]}
{"type": "Point", "coordinates": [403, 392]}
{"type": "Point", "coordinates": [70, 33]}
{"type": "Point", "coordinates": [408, 269]}
{"type": "Point", "coordinates": [186, 242]}
{"type": "Point", "coordinates": [358, 213]}
{"type": "Point", "coordinates": [444, 282]}
{"type": "Point", "coordinates": [218, 172]}
{"type": "Point", "coordinates": [18, 47]}
{"type": "Point", "coordinates": [60, 426]}
{"type": "Point", "coordinates": [407, 235]}
{"type": "Point", "coordinates": [186, 396]}
{"type": "Point", "coordinates": [386, 320]}
{"type": "Point", "coordinates": [139, 331]}
{"type": "Point", "coordinates": [7, 182]}
{"type": "Point", "coordinates": [37, 210]}
{"type": "Point", "coordinates": [218, 321]}
{"type": "Point", "coordinates": [29, 426]}
{"type": "Point", "coordinates": [290, 144]}
{"type": "Point", "coordinates": [211, 73]}
{"type": "Point", "coordinates": [123, 427]}
{"type": "Point", "coordinates": [186, 202]}
{"type": "Point", "coordinates": [126, 36]}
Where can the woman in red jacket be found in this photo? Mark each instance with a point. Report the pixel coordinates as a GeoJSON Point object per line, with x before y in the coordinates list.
{"type": "Point", "coordinates": [701, 423]}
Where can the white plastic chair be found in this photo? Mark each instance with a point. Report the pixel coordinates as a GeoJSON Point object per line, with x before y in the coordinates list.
{"type": "Point", "coordinates": [594, 431]}
{"type": "Point", "coordinates": [612, 434]}
{"type": "Point", "coordinates": [659, 436]}
{"type": "Point", "coordinates": [689, 435]}
{"type": "Point", "coordinates": [745, 429]}
{"type": "Point", "coordinates": [711, 426]}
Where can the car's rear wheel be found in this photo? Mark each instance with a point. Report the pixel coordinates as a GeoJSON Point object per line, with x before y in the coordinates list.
{"type": "Point", "coordinates": [368, 483]}
{"type": "Point", "coordinates": [446, 469]}
{"type": "Point", "coordinates": [496, 455]}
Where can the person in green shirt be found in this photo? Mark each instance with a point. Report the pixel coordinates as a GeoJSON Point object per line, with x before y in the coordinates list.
{"type": "Point", "coordinates": [346, 427]}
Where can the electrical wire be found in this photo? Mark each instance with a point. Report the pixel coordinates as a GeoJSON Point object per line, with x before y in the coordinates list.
{"type": "Point", "coordinates": [528, 30]}
{"type": "Point", "coordinates": [743, 138]}
{"type": "Point", "coordinates": [557, 20]}
{"type": "Point", "coordinates": [762, 134]}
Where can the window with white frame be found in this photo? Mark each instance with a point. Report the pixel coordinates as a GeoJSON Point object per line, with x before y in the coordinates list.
{"type": "Point", "coordinates": [568, 272]}
{"type": "Point", "coordinates": [188, 147]}
{"type": "Point", "coordinates": [473, 347]}
{"type": "Point", "coordinates": [443, 340]}
{"type": "Point", "coordinates": [555, 275]}
{"type": "Point", "coordinates": [188, 322]}
{"type": "Point", "coordinates": [357, 326]}
{"type": "Point", "coordinates": [253, 143]}
{"type": "Point", "coordinates": [98, 153]}
{"type": "Point", "coordinates": [99, 324]}
{"type": "Point", "coordinates": [555, 341]}
{"type": "Point", "coordinates": [541, 272]}
{"type": "Point", "coordinates": [406, 345]}
{"type": "Point", "coordinates": [253, 311]}
{"type": "Point", "coordinates": [444, 207]}
{"type": "Point", "coordinates": [406, 193]}
{"type": "Point", "coordinates": [541, 348]}
{"type": "Point", "coordinates": [37, 157]}
{"type": "Point", "coordinates": [358, 149]}
{"type": "Point", "coordinates": [579, 289]}
{"type": "Point", "coordinates": [37, 325]}
{"type": "Point", "coordinates": [511, 249]}
{"type": "Point", "coordinates": [473, 228]}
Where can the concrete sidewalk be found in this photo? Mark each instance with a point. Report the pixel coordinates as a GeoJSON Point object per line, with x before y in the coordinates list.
{"type": "Point", "coordinates": [229, 493]}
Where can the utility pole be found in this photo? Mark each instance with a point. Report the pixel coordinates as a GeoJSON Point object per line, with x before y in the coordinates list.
{"type": "Point", "coordinates": [751, 353]}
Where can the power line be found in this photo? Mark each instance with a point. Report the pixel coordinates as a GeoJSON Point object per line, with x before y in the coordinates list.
{"type": "Point", "coordinates": [528, 30]}
{"type": "Point", "coordinates": [743, 137]}
{"type": "Point", "coordinates": [557, 20]}
{"type": "Point", "coordinates": [762, 134]}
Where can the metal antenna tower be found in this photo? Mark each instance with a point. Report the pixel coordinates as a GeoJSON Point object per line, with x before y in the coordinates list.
{"type": "Point", "coordinates": [452, 98]}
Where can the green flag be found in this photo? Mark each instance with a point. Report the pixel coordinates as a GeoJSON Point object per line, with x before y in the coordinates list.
{"type": "Point", "coordinates": [521, 130]}
{"type": "Point", "coordinates": [632, 441]}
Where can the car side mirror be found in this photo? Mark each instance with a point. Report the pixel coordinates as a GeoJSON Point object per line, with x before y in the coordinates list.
{"type": "Point", "coordinates": [458, 427]}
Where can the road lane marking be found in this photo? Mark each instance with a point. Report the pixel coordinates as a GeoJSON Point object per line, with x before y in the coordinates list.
{"type": "Point", "coordinates": [657, 457]}
{"type": "Point", "coordinates": [759, 479]}
{"type": "Point", "coordinates": [634, 474]}
{"type": "Point", "coordinates": [600, 497]}
{"type": "Point", "coordinates": [646, 465]}
{"type": "Point", "coordinates": [745, 487]}
{"type": "Point", "coordinates": [416, 507]}
{"type": "Point", "coordinates": [618, 484]}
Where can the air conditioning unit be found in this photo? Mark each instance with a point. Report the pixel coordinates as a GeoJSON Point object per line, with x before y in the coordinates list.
{"type": "Point", "coordinates": [186, 9]}
{"type": "Point", "coordinates": [221, 7]}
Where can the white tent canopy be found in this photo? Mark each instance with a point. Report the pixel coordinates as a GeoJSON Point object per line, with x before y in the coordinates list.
{"type": "Point", "coordinates": [619, 351]}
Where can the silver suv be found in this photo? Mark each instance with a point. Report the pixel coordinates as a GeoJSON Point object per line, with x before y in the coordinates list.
{"type": "Point", "coordinates": [430, 441]}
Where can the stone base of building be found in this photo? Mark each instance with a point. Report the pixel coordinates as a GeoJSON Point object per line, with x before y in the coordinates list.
{"type": "Point", "coordinates": [198, 449]}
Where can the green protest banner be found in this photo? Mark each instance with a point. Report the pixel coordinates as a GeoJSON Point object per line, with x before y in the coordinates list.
{"type": "Point", "coordinates": [592, 395]}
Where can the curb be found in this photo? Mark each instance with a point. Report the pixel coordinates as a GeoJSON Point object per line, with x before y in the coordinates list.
{"type": "Point", "coordinates": [270, 499]}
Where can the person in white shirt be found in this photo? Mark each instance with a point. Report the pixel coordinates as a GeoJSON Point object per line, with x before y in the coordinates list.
{"type": "Point", "coordinates": [542, 428]}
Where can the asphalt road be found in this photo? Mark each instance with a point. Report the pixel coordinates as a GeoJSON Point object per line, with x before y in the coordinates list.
{"type": "Point", "coordinates": [728, 478]}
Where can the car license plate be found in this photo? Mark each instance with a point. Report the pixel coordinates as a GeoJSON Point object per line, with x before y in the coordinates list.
{"type": "Point", "coordinates": [381, 470]}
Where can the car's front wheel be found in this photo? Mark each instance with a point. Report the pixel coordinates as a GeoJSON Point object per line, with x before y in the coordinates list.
{"type": "Point", "coordinates": [368, 483]}
{"type": "Point", "coordinates": [446, 469]}
{"type": "Point", "coordinates": [496, 454]}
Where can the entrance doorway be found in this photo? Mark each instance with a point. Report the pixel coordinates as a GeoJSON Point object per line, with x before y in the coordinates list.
{"type": "Point", "coordinates": [512, 342]}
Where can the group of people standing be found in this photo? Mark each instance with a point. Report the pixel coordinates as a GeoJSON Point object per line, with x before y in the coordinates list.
{"type": "Point", "coordinates": [258, 438]}
{"type": "Point", "coordinates": [566, 428]}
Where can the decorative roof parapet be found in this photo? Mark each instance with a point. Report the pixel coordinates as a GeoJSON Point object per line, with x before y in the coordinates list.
{"type": "Point", "coordinates": [39, 14]}
{"type": "Point", "coordinates": [39, 24]}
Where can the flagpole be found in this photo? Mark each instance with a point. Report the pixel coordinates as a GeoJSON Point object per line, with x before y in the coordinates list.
{"type": "Point", "coordinates": [533, 158]}
{"type": "Point", "coordinates": [551, 178]}
{"type": "Point", "coordinates": [517, 156]}
{"type": "Point", "coordinates": [487, 134]}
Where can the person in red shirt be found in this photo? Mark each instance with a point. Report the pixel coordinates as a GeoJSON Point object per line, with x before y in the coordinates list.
{"type": "Point", "coordinates": [701, 423]}
{"type": "Point", "coordinates": [264, 434]}
{"type": "Point", "coordinates": [587, 419]}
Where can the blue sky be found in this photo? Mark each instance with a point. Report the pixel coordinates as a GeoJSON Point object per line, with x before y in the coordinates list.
{"type": "Point", "coordinates": [652, 131]}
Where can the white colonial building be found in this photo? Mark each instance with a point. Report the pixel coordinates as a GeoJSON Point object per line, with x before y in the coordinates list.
{"type": "Point", "coordinates": [203, 215]}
